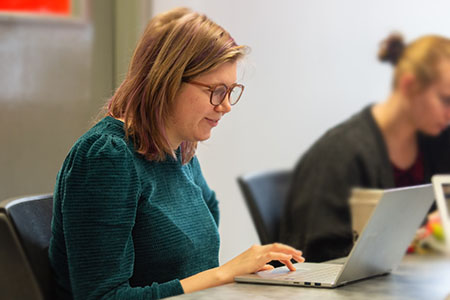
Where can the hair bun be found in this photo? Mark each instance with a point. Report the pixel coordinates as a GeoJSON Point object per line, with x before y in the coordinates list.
{"type": "Point", "coordinates": [391, 48]}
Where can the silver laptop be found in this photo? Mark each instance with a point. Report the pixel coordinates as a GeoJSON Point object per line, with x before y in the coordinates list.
{"type": "Point", "coordinates": [441, 186]}
{"type": "Point", "coordinates": [378, 250]}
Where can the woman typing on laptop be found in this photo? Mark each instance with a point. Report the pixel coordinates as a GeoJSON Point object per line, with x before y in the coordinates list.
{"type": "Point", "coordinates": [401, 141]}
{"type": "Point", "coordinates": [133, 216]}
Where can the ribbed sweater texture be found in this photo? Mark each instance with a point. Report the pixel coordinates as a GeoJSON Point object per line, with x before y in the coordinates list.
{"type": "Point", "coordinates": [125, 227]}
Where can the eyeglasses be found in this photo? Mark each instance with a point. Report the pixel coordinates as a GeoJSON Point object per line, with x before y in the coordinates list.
{"type": "Point", "coordinates": [220, 91]}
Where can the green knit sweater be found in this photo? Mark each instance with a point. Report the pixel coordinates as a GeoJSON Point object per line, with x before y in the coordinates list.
{"type": "Point", "coordinates": [125, 227]}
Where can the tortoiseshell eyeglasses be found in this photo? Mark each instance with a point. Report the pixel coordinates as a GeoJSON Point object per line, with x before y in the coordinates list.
{"type": "Point", "coordinates": [220, 91]}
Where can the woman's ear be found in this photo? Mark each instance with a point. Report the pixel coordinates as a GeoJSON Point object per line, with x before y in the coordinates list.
{"type": "Point", "coordinates": [408, 85]}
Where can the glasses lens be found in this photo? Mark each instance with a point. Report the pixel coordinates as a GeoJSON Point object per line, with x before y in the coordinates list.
{"type": "Point", "coordinates": [235, 94]}
{"type": "Point", "coordinates": [218, 94]}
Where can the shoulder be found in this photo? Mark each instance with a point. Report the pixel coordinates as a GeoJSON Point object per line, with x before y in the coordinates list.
{"type": "Point", "coordinates": [103, 144]}
{"type": "Point", "coordinates": [347, 138]}
{"type": "Point", "coordinates": [351, 153]}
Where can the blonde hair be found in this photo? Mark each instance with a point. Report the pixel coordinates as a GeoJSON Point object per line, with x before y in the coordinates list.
{"type": "Point", "coordinates": [420, 58]}
{"type": "Point", "coordinates": [176, 46]}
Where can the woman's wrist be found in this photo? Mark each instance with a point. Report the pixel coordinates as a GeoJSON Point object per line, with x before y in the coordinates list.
{"type": "Point", "coordinates": [206, 279]}
{"type": "Point", "coordinates": [221, 276]}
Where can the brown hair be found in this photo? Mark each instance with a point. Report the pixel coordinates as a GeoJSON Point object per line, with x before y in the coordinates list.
{"type": "Point", "coordinates": [421, 57]}
{"type": "Point", "coordinates": [176, 46]}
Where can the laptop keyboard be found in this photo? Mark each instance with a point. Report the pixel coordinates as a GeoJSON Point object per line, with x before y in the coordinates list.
{"type": "Point", "coordinates": [327, 273]}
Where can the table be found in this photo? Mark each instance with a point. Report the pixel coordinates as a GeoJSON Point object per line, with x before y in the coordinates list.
{"type": "Point", "coordinates": [417, 277]}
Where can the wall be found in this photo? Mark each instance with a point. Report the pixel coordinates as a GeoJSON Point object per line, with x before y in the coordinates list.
{"type": "Point", "coordinates": [45, 90]}
{"type": "Point", "coordinates": [313, 64]}
{"type": "Point", "coordinates": [56, 74]}
{"type": "Point", "coordinates": [130, 20]}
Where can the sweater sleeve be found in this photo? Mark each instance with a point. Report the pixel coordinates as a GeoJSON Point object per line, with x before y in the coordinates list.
{"type": "Point", "coordinates": [208, 194]}
{"type": "Point", "coordinates": [100, 192]}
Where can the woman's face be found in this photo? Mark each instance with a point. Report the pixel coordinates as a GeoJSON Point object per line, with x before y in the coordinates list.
{"type": "Point", "coordinates": [193, 116]}
{"type": "Point", "coordinates": [431, 107]}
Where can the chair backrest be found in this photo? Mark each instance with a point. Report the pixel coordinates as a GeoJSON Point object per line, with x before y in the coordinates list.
{"type": "Point", "coordinates": [265, 194]}
{"type": "Point", "coordinates": [25, 231]}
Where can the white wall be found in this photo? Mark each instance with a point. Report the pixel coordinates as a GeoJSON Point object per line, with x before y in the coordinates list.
{"type": "Point", "coordinates": [313, 63]}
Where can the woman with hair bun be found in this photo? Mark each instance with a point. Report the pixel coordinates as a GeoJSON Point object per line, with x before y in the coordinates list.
{"type": "Point", "coordinates": [133, 217]}
{"type": "Point", "coordinates": [401, 141]}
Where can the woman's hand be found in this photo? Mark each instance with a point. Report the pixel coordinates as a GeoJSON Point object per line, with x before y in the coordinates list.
{"type": "Point", "coordinates": [253, 260]}
{"type": "Point", "coordinates": [256, 258]}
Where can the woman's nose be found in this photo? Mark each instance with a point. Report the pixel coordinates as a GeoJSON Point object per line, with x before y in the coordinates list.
{"type": "Point", "coordinates": [225, 106]}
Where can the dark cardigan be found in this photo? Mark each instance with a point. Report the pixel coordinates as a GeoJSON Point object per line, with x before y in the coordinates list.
{"type": "Point", "coordinates": [317, 216]}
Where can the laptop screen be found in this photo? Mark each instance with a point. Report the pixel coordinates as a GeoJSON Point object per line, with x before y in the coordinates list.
{"type": "Point", "coordinates": [441, 186]}
{"type": "Point", "coordinates": [446, 189]}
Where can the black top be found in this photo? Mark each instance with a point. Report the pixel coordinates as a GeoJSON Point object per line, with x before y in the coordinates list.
{"type": "Point", "coordinates": [317, 215]}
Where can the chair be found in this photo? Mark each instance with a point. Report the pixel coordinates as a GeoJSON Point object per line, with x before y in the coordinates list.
{"type": "Point", "coordinates": [25, 230]}
{"type": "Point", "coordinates": [265, 194]}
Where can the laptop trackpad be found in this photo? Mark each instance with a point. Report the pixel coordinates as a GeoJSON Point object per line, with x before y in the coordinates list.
{"type": "Point", "coordinates": [304, 272]}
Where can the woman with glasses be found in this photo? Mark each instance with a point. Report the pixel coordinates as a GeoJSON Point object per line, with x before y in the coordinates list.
{"type": "Point", "coordinates": [133, 216]}
{"type": "Point", "coordinates": [401, 141]}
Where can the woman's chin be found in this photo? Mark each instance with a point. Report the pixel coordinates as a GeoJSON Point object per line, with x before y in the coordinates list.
{"type": "Point", "coordinates": [203, 137]}
{"type": "Point", "coordinates": [434, 132]}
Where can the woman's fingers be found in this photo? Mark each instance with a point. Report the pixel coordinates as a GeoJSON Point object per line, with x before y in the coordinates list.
{"type": "Point", "coordinates": [277, 256]}
{"type": "Point", "coordinates": [281, 248]}
{"type": "Point", "coordinates": [284, 254]}
{"type": "Point", "coordinates": [266, 268]}
{"type": "Point", "coordinates": [299, 258]}
{"type": "Point", "coordinates": [257, 257]}
{"type": "Point", "coordinates": [288, 264]}
{"type": "Point", "coordinates": [278, 247]}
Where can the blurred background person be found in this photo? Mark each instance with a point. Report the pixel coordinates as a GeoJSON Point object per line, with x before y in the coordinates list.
{"type": "Point", "coordinates": [401, 141]}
